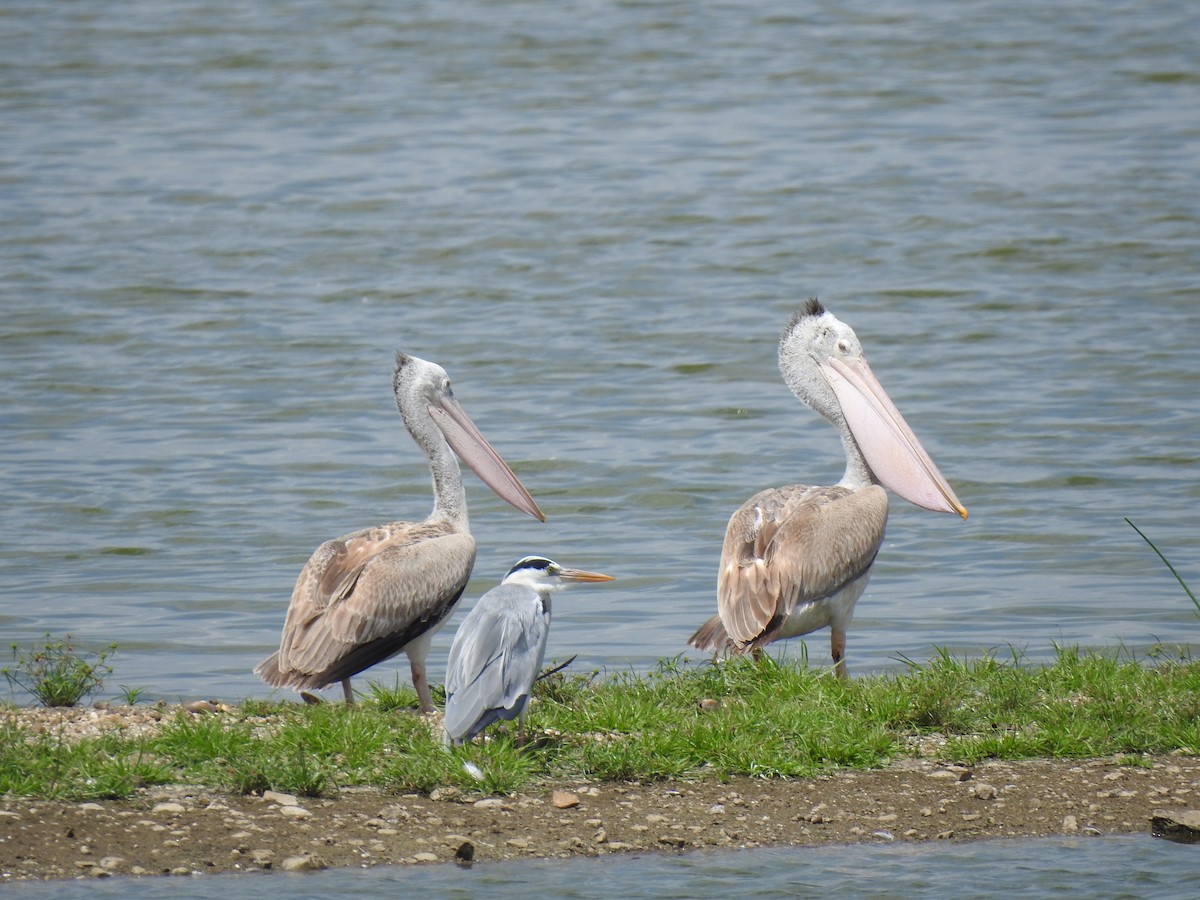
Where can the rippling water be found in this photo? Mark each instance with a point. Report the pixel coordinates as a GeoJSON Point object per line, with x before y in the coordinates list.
{"type": "Point", "coordinates": [1127, 868]}
{"type": "Point", "coordinates": [219, 221]}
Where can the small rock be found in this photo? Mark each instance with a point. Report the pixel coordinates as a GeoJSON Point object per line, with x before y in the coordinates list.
{"type": "Point", "coordinates": [984, 791]}
{"type": "Point", "coordinates": [717, 808]}
{"type": "Point", "coordinates": [1070, 825]}
{"type": "Point", "coordinates": [519, 843]}
{"type": "Point", "coordinates": [446, 793]}
{"type": "Point", "coordinates": [113, 863]}
{"type": "Point", "coordinates": [656, 818]}
{"type": "Point", "coordinates": [1181, 826]}
{"type": "Point", "coordinates": [294, 812]}
{"type": "Point", "coordinates": [262, 858]}
{"type": "Point", "coordinates": [303, 863]}
{"type": "Point", "coordinates": [888, 817]}
{"type": "Point", "coordinates": [281, 799]}
{"type": "Point", "coordinates": [169, 808]}
{"type": "Point", "coordinates": [425, 856]}
{"type": "Point", "coordinates": [489, 803]}
{"type": "Point", "coordinates": [564, 800]}
{"type": "Point", "coordinates": [708, 704]}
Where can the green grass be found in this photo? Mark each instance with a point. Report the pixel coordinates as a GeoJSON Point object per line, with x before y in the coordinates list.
{"type": "Point", "coordinates": [57, 673]}
{"type": "Point", "coordinates": [762, 720]}
{"type": "Point", "coordinates": [44, 765]}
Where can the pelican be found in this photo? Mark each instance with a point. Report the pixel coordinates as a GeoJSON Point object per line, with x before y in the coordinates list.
{"type": "Point", "coordinates": [797, 558]}
{"type": "Point", "coordinates": [498, 649]}
{"type": "Point", "coordinates": [373, 593]}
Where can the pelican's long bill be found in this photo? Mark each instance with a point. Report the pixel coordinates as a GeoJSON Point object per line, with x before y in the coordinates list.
{"type": "Point", "coordinates": [581, 575]}
{"type": "Point", "coordinates": [473, 449]}
{"type": "Point", "coordinates": [888, 444]}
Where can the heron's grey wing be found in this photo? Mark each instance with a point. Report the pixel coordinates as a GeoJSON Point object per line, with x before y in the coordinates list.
{"type": "Point", "coordinates": [494, 660]}
{"type": "Point", "coordinates": [792, 545]}
{"type": "Point", "coordinates": [396, 581]}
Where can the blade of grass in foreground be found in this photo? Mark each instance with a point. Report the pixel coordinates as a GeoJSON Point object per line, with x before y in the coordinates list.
{"type": "Point", "coordinates": [1167, 562]}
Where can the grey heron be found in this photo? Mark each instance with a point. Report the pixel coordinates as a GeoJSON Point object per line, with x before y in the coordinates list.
{"type": "Point", "coordinates": [499, 647]}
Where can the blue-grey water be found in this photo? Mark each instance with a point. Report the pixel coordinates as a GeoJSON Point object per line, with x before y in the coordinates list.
{"type": "Point", "coordinates": [1126, 868]}
{"type": "Point", "coordinates": [218, 222]}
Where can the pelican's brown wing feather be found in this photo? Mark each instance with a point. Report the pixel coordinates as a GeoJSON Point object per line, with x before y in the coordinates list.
{"type": "Point", "coordinates": [360, 598]}
{"type": "Point", "coordinates": [792, 545]}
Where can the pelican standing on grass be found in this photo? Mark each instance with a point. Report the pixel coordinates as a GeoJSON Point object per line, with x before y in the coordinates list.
{"type": "Point", "coordinates": [499, 647]}
{"type": "Point", "coordinates": [373, 593]}
{"type": "Point", "coordinates": [797, 558]}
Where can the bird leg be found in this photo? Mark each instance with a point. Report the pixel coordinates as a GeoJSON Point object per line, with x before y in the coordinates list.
{"type": "Point", "coordinates": [421, 683]}
{"type": "Point", "coordinates": [349, 694]}
{"type": "Point", "coordinates": [837, 648]}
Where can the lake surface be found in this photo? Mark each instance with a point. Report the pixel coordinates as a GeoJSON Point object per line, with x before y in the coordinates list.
{"type": "Point", "coordinates": [219, 221]}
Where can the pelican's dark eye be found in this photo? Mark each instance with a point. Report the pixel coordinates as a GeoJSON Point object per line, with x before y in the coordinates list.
{"type": "Point", "coordinates": [843, 345]}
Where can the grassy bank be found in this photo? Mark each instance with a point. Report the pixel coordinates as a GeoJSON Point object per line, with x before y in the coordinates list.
{"type": "Point", "coordinates": [684, 720]}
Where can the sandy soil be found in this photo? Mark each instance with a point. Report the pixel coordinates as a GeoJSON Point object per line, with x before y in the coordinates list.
{"type": "Point", "coordinates": [187, 830]}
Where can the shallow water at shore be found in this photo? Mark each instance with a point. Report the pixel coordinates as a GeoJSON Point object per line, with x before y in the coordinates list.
{"type": "Point", "coordinates": [1144, 868]}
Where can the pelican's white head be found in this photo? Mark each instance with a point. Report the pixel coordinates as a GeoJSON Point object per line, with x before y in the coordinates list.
{"type": "Point", "coordinates": [436, 419]}
{"type": "Point", "coordinates": [812, 337]}
{"type": "Point", "coordinates": [823, 363]}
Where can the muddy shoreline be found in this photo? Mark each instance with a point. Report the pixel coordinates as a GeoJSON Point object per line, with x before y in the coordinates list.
{"type": "Point", "coordinates": [182, 830]}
